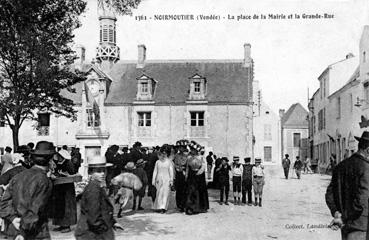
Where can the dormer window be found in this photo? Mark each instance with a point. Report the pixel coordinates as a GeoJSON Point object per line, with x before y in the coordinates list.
{"type": "Point", "coordinates": [145, 88]}
{"type": "Point", "coordinates": [197, 87]}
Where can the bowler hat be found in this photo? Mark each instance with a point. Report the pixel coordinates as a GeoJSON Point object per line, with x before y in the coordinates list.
{"type": "Point", "coordinates": [44, 148]}
{"type": "Point", "coordinates": [247, 159]}
{"type": "Point", "coordinates": [98, 162]}
{"type": "Point", "coordinates": [364, 137]}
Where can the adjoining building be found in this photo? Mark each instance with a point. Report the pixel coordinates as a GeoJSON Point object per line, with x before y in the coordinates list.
{"type": "Point", "coordinates": [338, 110]}
{"type": "Point", "coordinates": [154, 102]}
{"type": "Point", "coordinates": [267, 131]}
{"type": "Point", "coordinates": [294, 126]}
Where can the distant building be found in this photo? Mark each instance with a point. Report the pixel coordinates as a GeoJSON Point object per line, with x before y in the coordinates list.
{"type": "Point", "coordinates": [294, 125]}
{"type": "Point", "coordinates": [267, 131]}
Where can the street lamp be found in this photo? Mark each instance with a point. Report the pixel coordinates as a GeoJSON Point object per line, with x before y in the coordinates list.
{"type": "Point", "coordinates": [359, 102]}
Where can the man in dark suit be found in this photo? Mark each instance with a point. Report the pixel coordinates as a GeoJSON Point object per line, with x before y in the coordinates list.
{"type": "Point", "coordinates": [348, 193]}
{"type": "Point", "coordinates": [96, 220]}
{"type": "Point", "coordinates": [24, 203]}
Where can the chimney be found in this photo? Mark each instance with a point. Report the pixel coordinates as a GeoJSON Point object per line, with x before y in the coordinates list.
{"type": "Point", "coordinates": [247, 58]}
{"type": "Point", "coordinates": [81, 55]}
{"type": "Point", "coordinates": [141, 56]}
{"type": "Point", "coordinates": [281, 113]}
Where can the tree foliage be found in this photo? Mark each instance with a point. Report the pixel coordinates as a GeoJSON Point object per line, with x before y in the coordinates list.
{"type": "Point", "coordinates": [121, 7]}
{"type": "Point", "coordinates": [36, 55]}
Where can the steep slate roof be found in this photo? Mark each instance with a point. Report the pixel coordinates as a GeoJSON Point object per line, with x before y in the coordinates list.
{"type": "Point", "coordinates": [228, 81]}
{"type": "Point", "coordinates": [295, 117]}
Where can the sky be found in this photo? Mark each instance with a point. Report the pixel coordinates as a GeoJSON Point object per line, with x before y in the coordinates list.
{"type": "Point", "coordinates": [289, 54]}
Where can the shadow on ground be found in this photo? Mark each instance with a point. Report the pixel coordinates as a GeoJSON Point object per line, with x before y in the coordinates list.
{"type": "Point", "coordinates": [142, 225]}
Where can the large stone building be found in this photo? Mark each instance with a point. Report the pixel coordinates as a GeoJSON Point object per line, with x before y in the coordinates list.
{"type": "Point", "coordinates": [339, 108]}
{"type": "Point", "coordinates": [154, 102]}
{"type": "Point", "coordinates": [295, 128]}
{"type": "Point", "coordinates": [267, 131]}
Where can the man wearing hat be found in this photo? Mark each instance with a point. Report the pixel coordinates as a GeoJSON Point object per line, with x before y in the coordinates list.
{"type": "Point", "coordinates": [223, 175]}
{"type": "Point", "coordinates": [136, 152]}
{"type": "Point", "coordinates": [24, 203]}
{"type": "Point", "coordinates": [247, 181]}
{"type": "Point", "coordinates": [286, 165]}
{"type": "Point", "coordinates": [298, 167]}
{"type": "Point", "coordinates": [141, 174]}
{"type": "Point", "coordinates": [237, 171]}
{"type": "Point", "coordinates": [96, 220]}
{"type": "Point", "coordinates": [258, 181]}
{"type": "Point", "coordinates": [348, 193]}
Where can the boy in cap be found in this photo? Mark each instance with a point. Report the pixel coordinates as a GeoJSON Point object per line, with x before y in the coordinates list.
{"type": "Point", "coordinates": [258, 180]}
{"type": "Point", "coordinates": [96, 220]}
{"type": "Point", "coordinates": [247, 181]}
{"type": "Point", "coordinates": [223, 176]}
{"type": "Point", "coordinates": [24, 203]}
{"type": "Point", "coordinates": [237, 171]}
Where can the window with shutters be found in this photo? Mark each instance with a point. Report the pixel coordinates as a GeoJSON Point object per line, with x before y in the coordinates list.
{"type": "Point", "coordinates": [338, 107]}
{"type": "Point", "coordinates": [297, 139]}
{"type": "Point", "coordinates": [267, 154]}
{"type": "Point", "coordinates": [267, 132]}
{"type": "Point", "coordinates": [43, 125]}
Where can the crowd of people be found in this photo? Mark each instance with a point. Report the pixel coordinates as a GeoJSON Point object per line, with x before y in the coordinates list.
{"type": "Point", "coordinates": [31, 195]}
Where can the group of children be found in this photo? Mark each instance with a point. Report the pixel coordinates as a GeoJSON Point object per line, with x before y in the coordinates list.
{"type": "Point", "coordinates": [244, 178]}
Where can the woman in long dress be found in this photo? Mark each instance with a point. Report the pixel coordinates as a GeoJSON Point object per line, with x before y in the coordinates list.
{"type": "Point", "coordinates": [163, 178]}
{"type": "Point", "coordinates": [197, 192]}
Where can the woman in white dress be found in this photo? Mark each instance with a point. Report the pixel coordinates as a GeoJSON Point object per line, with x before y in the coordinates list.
{"type": "Point", "coordinates": [163, 178]}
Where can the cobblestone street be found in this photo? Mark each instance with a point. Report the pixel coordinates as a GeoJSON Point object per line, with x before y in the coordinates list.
{"type": "Point", "coordinates": [290, 208]}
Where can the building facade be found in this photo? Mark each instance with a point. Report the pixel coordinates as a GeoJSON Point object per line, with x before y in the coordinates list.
{"type": "Point", "coordinates": [338, 110]}
{"type": "Point", "coordinates": [267, 131]}
{"type": "Point", "coordinates": [154, 102]}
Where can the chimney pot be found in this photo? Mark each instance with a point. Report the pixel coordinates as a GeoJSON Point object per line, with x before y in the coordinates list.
{"type": "Point", "coordinates": [247, 55]}
{"type": "Point", "coordinates": [281, 113]}
{"type": "Point", "coordinates": [141, 56]}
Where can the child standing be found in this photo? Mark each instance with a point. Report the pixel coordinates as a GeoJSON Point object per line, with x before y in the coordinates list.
{"type": "Point", "coordinates": [258, 183]}
{"type": "Point", "coordinates": [237, 171]}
